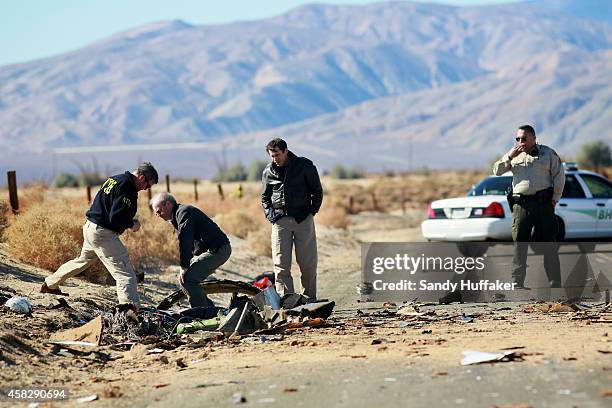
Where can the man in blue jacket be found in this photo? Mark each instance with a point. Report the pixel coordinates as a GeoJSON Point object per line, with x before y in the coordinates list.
{"type": "Point", "coordinates": [111, 213]}
{"type": "Point", "coordinates": [203, 247]}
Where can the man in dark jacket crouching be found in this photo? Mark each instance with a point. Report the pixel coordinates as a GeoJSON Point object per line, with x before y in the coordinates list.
{"type": "Point", "coordinates": [203, 246]}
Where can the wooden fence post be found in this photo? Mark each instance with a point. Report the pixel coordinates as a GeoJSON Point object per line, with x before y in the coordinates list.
{"type": "Point", "coordinates": [167, 182]}
{"type": "Point", "coordinates": [12, 186]}
{"type": "Point", "coordinates": [88, 193]}
{"type": "Point", "coordinates": [351, 204]}
{"type": "Point", "coordinates": [374, 202]}
{"type": "Point", "coordinates": [220, 190]}
{"type": "Point", "coordinates": [195, 189]}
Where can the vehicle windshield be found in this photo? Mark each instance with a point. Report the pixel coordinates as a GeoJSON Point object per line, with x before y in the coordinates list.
{"type": "Point", "coordinates": [492, 186]}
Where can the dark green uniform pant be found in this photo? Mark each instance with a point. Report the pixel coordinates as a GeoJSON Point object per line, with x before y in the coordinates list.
{"type": "Point", "coordinates": [540, 217]}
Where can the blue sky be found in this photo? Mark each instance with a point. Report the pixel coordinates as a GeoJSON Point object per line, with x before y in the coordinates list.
{"type": "Point", "coordinates": [32, 29]}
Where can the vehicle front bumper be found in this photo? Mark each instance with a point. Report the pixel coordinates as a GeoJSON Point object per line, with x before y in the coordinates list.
{"type": "Point", "coordinates": [469, 229]}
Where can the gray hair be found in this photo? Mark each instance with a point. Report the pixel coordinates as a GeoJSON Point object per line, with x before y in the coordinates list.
{"type": "Point", "coordinates": [147, 170]}
{"type": "Point", "coordinates": [163, 198]}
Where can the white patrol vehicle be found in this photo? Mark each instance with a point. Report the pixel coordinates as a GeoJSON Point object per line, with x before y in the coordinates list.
{"type": "Point", "coordinates": [584, 211]}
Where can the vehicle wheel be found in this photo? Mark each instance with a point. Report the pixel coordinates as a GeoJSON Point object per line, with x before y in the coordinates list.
{"type": "Point", "coordinates": [472, 249]}
{"type": "Point", "coordinates": [560, 230]}
{"type": "Point", "coordinates": [211, 287]}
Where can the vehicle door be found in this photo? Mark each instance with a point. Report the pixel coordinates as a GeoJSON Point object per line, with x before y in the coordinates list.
{"type": "Point", "coordinates": [601, 195]}
{"type": "Point", "coordinates": [578, 212]}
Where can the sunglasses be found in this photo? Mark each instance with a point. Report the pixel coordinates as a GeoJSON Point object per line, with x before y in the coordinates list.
{"type": "Point", "coordinates": [520, 139]}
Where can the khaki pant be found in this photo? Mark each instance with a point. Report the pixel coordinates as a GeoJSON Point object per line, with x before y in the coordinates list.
{"type": "Point", "coordinates": [285, 233]}
{"type": "Point", "coordinates": [99, 242]}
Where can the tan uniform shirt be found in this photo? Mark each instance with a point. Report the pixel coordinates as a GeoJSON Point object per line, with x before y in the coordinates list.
{"type": "Point", "coordinates": [531, 174]}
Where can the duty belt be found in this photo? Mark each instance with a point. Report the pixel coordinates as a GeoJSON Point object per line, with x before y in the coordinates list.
{"type": "Point", "coordinates": [541, 197]}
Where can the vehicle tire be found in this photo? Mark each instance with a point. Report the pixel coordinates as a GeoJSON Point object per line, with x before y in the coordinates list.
{"type": "Point", "coordinates": [210, 287]}
{"type": "Point", "coordinates": [472, 249]}
{"type": "Point", "coordinates": [560, 229]}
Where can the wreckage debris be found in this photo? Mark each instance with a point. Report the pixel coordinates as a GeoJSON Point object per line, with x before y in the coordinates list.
{"type": "Point", "coordinates": [88, 398]}
{"type": "Point", "coordinates": [478, 357]}
{"type": "Point", "coordinates": [19, 304]}
{"type": "Point", "coordinates": [89, 333]}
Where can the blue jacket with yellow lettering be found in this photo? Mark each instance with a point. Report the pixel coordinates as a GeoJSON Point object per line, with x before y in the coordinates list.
{"type": "Point", "coordinates": [115, 204]}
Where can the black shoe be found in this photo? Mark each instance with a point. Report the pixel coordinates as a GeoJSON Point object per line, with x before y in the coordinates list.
{"type": "Point", "coordinates": [555, 284]}
{"type": "Point", "coordinates": [520, 286]}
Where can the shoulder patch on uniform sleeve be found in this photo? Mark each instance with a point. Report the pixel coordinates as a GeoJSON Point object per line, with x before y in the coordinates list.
{"type": "Point", "coordinates": [127, 201]}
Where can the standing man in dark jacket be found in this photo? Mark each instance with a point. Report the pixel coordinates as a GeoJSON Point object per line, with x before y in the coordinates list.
{"type": "Point", "coordinates": [291, 196]}
{"type": "Point", "coordinates": [111, 213]}
{"type": "Point", "coordinates": [203, 246]}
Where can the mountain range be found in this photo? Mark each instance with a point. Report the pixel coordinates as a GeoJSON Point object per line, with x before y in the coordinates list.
{"type": "Point", "coordinates": [397, 85]}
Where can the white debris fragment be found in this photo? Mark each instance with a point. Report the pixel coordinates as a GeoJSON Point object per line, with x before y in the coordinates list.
{"type": "Point", "coordinates": [476, 357]}
{"type": "Point", "coordinates": [19, 304]}
{"type": "Point", "coordinates": [88, 398]}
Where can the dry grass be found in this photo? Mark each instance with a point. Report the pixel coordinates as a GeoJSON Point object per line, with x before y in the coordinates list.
{"type": "Point", "coordinates": [259, 240]}
{"type": "Point", "coordinates": [4, 216]}
{"type": "Point", "coordinates": [237, 222]}
{"type": "Point", "coordinates": [333, 216]}
{"type": "Point", "coordinates": [31, 195]}
{"type": "Point", "coordinates": [154, 244]}
{"type": "Point", "coordinates": [392, 193]}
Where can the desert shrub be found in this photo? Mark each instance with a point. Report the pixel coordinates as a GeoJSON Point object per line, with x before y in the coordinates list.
{"type": "Point", "coordinates": [4, 214]}
{"type": "Point", "coordinates": [65, 180]}
{"type": "Point", "coordinates": [91, 179]}
{"type": "Point", "coordinates": [57, 228]}
{"type": "Point", "coordinates": [595, 155]}
{"type": "Point", "coordinates": [47, 235]}
{"type": "Point", "coordinates": [236, 172]}
{"type": "Point", "coordinates": [341, 172]}
{"type": "Point", "coordinates": [333, 216]}
{"type": "Point", "coordinates": [255, 169]}
{"type": "Point", "coordinates": [259, 240]}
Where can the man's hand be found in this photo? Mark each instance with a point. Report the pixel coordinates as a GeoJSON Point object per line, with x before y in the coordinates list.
{"type": "Point", "coordinates": [515, 151]}
{"type": "Point", "coordinates": [181, 276]}
{"type": "Point", "coordinates": [136, 226]}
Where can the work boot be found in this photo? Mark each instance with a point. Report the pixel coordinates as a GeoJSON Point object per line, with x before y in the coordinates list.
{"type": "Point", "coordinates": [555, 284]}
{"type": "Point", "coordinates": [520, 285]}
{"type": "Point", "coordinates": [45, 289]}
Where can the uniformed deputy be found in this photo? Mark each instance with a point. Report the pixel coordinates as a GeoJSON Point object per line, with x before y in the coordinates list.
{"type": "Point", "coordinates": [111, 213]}
{"type": "Point", "coordinates": [537, 184]}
